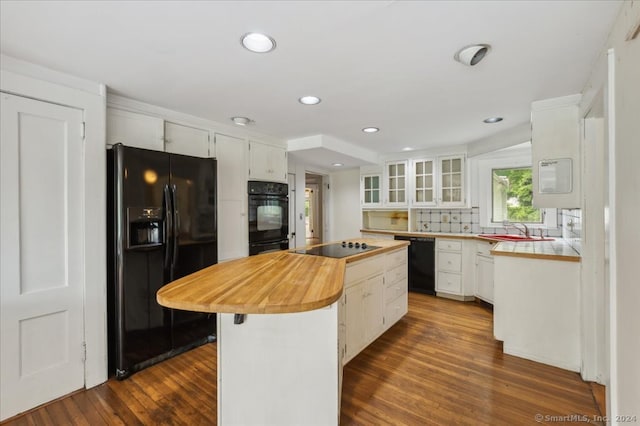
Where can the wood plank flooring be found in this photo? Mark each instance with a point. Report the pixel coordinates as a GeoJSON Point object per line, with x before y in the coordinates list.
{"type": "Point", "coordinates": [439, 365]}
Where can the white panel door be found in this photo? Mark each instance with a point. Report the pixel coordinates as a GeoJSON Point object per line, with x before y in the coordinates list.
{"type": "Point", "coordinates": [41, 267]}
{"type": "Point", "coordinates": [233, 233]}
{"type": "Point", "coordinates": [186, 140]}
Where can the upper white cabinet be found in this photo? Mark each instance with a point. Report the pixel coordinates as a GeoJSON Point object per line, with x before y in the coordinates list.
{"type": "Point", "coordinates": [267, 162]}
{"type": "Point", "coordinates": [371, 190]}
{"type": "Point", "coordinates": [186, 140]}
{"type": "Point", "coordinates": [148, 132]}
{"type": "Point", "coordinates": [423, 182]}
{"type": "Point", "coordinates": [132, 129]}
{"type": "Point", "coordinates": [555, 152]}
{"type": "Point", "coordinates": [452, 189]}
{"type": "Point", "coordinates": [395, 174]}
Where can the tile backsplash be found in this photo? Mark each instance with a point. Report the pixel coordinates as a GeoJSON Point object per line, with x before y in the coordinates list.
{"type": "Point", "coordinates": [463, 221]}
{"type": "Point", "coordinates": [455, 220]}
{"type": "Point", "coordinates": [466, 221]}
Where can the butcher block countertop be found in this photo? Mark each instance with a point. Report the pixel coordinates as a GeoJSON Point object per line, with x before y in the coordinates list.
{"type": "Point", "coordinates": [278, 282]}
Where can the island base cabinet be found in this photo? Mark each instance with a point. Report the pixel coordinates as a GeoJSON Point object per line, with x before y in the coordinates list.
{"type": "Point", "coordinates": [279, 369]}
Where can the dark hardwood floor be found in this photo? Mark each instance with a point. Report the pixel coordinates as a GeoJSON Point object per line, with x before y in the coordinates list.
{"type": "Point", "coordinates": [438, 365]}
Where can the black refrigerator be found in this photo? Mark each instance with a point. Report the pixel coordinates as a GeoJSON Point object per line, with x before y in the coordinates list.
{"type": "Point", "coordinates": [162, 225]}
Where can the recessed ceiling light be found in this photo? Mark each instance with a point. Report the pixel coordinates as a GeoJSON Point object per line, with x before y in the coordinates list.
{"type": "Point", "coordinates": [258, 43]}
{"type": "Point", "coordinates": [370, 129]}
{"type": "Point", "coordinates": [241, 121]}
{"type": "Point", "coordinates": [471, 55]}
{"type": "Point", "coordinates": [309, 100]}
{"type": "Point", "coordinates": [337, 164]}
{"type": "Point", "coordinates": [407, 148]}
{"type": "Point", "coordinates": [492, 119]}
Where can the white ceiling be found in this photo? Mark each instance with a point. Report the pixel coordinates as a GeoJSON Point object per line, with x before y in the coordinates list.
{"type": "Point", "coordinates": [387, 64]}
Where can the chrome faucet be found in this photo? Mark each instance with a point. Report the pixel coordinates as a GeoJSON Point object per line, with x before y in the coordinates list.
{"type": "Point", "coordinates": [524, 230]}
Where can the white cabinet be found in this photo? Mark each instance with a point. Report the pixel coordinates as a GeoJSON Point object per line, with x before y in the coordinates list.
{"type": "Point", "coordinates": [395, 174]}
{"type": "Point", "coordinates": [132, 129]}
{"type": "Point", "coordinates": [451, 191]}
{"type": "Point", "coordinates": [373, 307]}
{"type": "Point", "coordinates": [555, 152]}
{"type": "Point", "coordinates": [148, 132]}
{"type": "Point", "coordinates": [231, 154]}
{"type": "Point", "coordinates": [424, 179]}
{"type": "Point", "coordinates": [454, 268]}
{"type": "Point", "coordinates": [484, 272]}
{"type": "Point", "coordinates": [422, 182]}
{"type": "Point", "coordinates": [396, 287]}
{"type": "Point", "coordinates": [370, 190]}
{"type": "Point", "coordinates": [186, 140]}
{"type": "Point", "coordinates": [364, 313]}
{"type": "Point", "coordinates": [267, 162]}
{"type": "Point", "coordinates": [374, 299]}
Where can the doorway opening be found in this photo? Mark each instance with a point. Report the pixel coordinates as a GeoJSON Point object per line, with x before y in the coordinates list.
{"type": "Point", "coordinates": [313, 209]}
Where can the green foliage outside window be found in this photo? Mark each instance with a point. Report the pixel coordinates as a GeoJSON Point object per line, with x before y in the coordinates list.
{"type": "Point", "coordinates": [519, 196]}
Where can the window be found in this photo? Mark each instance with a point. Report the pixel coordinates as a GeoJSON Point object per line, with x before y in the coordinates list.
{"type": "Point", "coordinates": [511, 196]}
{"type": "Point", "coordinates": [504, 188]}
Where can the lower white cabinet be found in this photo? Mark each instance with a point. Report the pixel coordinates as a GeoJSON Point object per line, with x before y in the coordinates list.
{"type": "Point", "coordinates": [375, 298]}
{"type": "Point", "coordinates": [364, 314]}
{"type": "Point", "coordinates": [484, 272]}
{"type": "Point", "coordinates": [454, 268]}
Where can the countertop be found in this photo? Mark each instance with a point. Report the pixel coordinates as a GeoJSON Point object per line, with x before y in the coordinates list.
{"type": "Point", "coordinates": [546, 250]}
{"type": "Point", "coordinates": [277, 282]}
{"type": "Point", "coordinates": [558, 249]}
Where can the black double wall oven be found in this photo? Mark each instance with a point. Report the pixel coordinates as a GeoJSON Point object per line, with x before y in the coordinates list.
{"type": "Point", "coordinates": [268, 217]}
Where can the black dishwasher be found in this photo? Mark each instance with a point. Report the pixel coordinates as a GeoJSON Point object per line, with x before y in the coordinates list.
{"type": "Point", "coordinates": [422, 264]}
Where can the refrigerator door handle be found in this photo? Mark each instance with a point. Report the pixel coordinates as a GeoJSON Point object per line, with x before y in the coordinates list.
{"type": "Point", "coordinates": [176, 228]}
{"type": "Point", "coordinates": [168, 220]}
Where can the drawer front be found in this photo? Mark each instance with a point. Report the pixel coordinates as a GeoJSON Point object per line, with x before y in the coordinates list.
{"type": "Point", "coordinates": [449, 283]}
{"type": "Point", "coordinates": [393, 291]}
{"type": "Point", "coordinates": [363, 269]}
{"type": "Point", "coordinates": [450, 262]}
{"type": "Point", "coordinates": [484, 248]}
{"type": "Point", "coordinates": [449, 245]}
{"type": "Point", "coordinates": [395, 310]}
{"type": "Point", "coordinates": [395, 258]}
{"type": "Point", "coordinates": [396, 274]}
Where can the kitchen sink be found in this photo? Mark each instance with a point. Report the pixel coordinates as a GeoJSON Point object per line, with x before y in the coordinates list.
{"type": "Point", "coordinates": [513, 237]}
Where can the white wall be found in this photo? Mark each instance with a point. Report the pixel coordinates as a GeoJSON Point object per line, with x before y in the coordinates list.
{"type": "Point", "coordinates": [345, 215]}
{"type": "Point", "coordinates": [623, 230]}
{"type": "Point", "coordinates": [625, 338]}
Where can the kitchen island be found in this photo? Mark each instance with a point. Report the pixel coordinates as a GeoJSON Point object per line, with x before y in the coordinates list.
{"type": "Point", "coordinates": [284, 327]}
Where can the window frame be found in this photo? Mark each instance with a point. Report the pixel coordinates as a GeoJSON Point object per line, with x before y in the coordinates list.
{"type": "Point", "coordinates": [485, 192]}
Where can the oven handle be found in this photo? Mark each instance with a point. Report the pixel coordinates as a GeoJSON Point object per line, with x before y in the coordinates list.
{"type": "Point", "coordinates": [254, 197]}
{"type": "Point", "coordinates": [270, 243]}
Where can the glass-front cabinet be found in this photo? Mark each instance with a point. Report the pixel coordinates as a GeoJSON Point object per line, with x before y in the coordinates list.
{"type": "Point", "coordinates": [396, 183]}
{"type": "Point", "coordinates": [370, 190]}
{"type": "Point", "coordinates": [451, 181]}
{"type": "Point", "coordinates": [424, 182]}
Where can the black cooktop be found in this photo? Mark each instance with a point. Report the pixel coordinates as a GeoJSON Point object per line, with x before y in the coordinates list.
{"type": "Point", "coordinates": [337, 250]}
